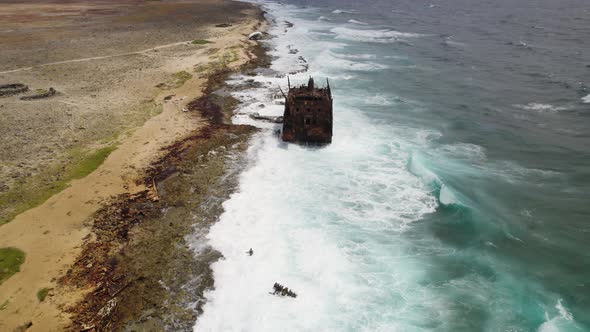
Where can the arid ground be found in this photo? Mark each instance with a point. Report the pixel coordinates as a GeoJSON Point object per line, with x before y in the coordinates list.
{"type": "Point", "coordinates": [124, 73]}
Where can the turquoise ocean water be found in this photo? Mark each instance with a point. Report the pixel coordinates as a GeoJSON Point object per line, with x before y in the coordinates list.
{"type": "Point", "coordinates": [456, 193]}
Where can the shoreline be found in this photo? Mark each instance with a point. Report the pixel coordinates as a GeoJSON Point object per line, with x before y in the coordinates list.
{"type": "Point", "coordinates": [139, 281]}
{"type": "Point", "coordinates": [55, 234]}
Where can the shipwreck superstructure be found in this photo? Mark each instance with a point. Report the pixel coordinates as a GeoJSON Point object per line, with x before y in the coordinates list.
{"type": "Point", "coordinates": [308, 114]}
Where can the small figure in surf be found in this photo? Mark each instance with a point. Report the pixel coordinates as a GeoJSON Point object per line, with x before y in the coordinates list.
{"type": "Point", "coordinates": [250, 252]}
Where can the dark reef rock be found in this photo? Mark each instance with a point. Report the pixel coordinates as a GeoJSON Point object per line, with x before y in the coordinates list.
{"type": "Point", "coordinates": [283, 291]}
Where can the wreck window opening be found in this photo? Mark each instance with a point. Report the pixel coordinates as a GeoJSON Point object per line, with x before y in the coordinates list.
{"type": "Point", "coordinates": [307, 121]}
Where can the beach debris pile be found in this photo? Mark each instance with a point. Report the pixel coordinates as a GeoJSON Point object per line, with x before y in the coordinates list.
{"type": "Point", "coordinates": [41, 94]}
{"type": "Point", "coordinates": [12, 89]}
{"type": "Point", "coordinates": [282, 290]}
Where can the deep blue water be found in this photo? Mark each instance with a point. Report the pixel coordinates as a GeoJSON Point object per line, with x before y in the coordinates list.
{"type": "Point", "coordinates": [456, 194]}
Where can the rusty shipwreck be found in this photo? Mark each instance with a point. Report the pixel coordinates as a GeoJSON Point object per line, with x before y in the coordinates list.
{"type": "Point", "coordinates": [307, 118]}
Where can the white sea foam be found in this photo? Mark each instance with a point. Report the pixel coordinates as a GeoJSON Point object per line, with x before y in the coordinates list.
{"type": "Point", "coordinates": [563, 311]}
{"type": "Point", "coordinates": [541, 107]}
{"type": "Point", "coordinates": [342, 11]}
{"type": "Point", "coordinates": [514, 172]}
{"type": "Point", "coordinates": [352, 259]}
{"type": "Point", "coordinates": [376, 36]}
{"type": "Point", "coordinates": [470, 152]}
{"type": "Point", "coordinates": [364, 190]}
{"type": "Point", "coordinates": [586, 99]}
{"type": "Point", "coordinates": [379, 100]}
{"type": "Point", "coordinates": [330, 60]}
{"type": "Point", "coordinates": [562, 322]}
{"type": "Point", "coordinates": [357, 22]}
{"type": "Point", "coordinates": [340, 256]}
{"type": "Point", "coordinates": [355, 56]}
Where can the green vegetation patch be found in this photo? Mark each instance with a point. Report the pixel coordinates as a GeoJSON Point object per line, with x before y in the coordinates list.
{"type": "Point", "coordinates": [88, 163]}
{"type": "Point", "coordinates": [176, 81]}
{"type": "Point", "coordinates": [220, 62]}
{"type": "Point", "coordinates": [180, 78]}
{"type": "Point", "coordinates": [10, 262]}
{"type": "Point", "coordinates": [42, 294]}
{"type": "Point", "coordinates": [37, 189]}
{"type": "Point", "coordinates": [200, 42]}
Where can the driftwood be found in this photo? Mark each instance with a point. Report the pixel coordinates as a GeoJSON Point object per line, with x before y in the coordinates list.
{"type": "Point", "coordinates": [87, 328]}
{"type": "Point", "coordinates": [157, 195]}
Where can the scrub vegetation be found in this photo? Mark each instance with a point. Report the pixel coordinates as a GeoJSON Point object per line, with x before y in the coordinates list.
{"type": "Point", "coordinates": [200, 42]}
{"type": "Point", "coordinates": [10, 262]}
{"type": "Point", "coordinates": [42, 294]}
{"type": "Point", "coordinates": [37, 189]}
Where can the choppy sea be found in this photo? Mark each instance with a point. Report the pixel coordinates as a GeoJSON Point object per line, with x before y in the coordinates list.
{"type": "Point", "coordinates": [456, 193]}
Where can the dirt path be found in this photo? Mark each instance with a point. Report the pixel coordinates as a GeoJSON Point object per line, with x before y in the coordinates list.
{"type": "Point", "coordinates": [52, 233]}
{"type": "Point", "coordinates": [96, 57]}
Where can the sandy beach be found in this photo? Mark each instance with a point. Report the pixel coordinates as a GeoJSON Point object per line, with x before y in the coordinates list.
{"type": "Point", "coordinates": [125, 74]}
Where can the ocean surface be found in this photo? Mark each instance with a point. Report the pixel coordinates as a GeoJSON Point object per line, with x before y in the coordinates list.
{"type": "Point", "coordinates": [456, 193]}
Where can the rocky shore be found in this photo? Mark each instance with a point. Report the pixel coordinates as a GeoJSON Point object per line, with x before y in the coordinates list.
{"type": "Point", "coordinates": [141, 271]}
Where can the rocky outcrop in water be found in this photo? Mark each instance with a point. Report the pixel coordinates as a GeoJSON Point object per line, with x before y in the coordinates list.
{"type": "Point", "coordinates": [282, 290]}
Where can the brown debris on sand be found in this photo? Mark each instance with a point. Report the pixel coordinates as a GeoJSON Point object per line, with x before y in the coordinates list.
{"type": "Point", "coordinates": [12, 89]}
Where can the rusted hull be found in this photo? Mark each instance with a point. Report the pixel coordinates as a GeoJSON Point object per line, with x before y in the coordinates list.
{"type": "Point", "coordinates": [307, 118]}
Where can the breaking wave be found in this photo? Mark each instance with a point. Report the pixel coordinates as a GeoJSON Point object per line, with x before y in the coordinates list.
{"type": "Point", "coordinates": [375, 36]}
{"type": "Point", "coordinates": [379, 100]}
{"type": "Point", "coordinates": [563, 321]}
{"type": "Point", "coordinates": [446, 196]}
{"type": "Point", "coordinates": [357, 22]}
{"type": "Point", "coordinates": [393, 226]}
{"type": "Point", "coordinates": [541, 107]}
{"type": "Point", "coordinates": [342, 11]}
